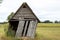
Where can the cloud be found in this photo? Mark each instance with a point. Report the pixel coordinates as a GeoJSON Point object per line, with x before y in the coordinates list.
{"type": "Point", "coordinates": [44, 9]}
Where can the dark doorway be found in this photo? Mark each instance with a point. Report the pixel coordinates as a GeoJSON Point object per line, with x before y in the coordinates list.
{"type": "Point", "coordinates": [14, 25]}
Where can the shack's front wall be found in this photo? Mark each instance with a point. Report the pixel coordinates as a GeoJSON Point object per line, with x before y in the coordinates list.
{"type": "Point", "coordinates": [32, 29]}
{"type": "Point", "coordinates": [19, 29]}
{"type": "Point", "coordinates": [26, 28]}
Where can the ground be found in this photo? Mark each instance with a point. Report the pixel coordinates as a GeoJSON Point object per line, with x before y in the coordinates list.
{"type": "Point", "coordinates": [44, 31]}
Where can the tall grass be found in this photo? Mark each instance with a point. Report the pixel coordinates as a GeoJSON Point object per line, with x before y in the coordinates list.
{"type": "Point", "coordinates": [44, 31]}
{"type": "Point", "coordinates": [48, 31]}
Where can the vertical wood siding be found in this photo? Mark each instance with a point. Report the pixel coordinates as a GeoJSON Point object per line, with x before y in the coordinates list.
{"type": "Point", "coordinates": [20, 28]}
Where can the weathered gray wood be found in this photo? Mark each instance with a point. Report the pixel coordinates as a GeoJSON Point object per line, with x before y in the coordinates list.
{"type": "Point", "coordinates": [24, 12]}
{"type": "Point", "coordinates": [20, 28]}
{"type": "Point", "coordinates": [25, 28]}
{"type": "Point", "coordinates": [32, 29]}
{"type": "Point", "coordinates": [22, 15]}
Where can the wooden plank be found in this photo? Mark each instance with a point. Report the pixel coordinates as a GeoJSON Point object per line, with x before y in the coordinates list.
{"type": "Point", "coordinates": [20, 29]}
{"type": "Point", "coordinates": [32, 29]}
{"type": "Point", "coordinates": [25, 28]}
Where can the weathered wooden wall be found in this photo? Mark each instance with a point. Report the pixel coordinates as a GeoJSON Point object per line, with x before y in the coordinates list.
{"type": "Point", "coordinates": [26, 28]}
{"type": "Point", "coordinates": [24, 13]}
{"type": "Point", "coordinates": [32, 29]}
{"type": "Point", "coordinates": [19, 29]}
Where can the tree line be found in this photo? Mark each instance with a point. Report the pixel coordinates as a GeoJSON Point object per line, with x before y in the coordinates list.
{"type": "Point", "coordinates": [48, 21]}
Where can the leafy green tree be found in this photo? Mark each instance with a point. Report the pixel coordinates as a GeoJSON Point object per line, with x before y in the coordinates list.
{"type": "Point", "coordinates": [47, 21]}
{"type": "Point", "coordinates": [8, 18]}
{"type": "Point", "coordinates": [56, 21]}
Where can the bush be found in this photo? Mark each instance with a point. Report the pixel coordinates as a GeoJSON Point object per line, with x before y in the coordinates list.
{"type": "Point", "coordinates": [10, 33]}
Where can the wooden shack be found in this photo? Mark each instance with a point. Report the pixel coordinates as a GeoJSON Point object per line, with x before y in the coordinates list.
{"type": "Point", "coordinates": [24, 22]}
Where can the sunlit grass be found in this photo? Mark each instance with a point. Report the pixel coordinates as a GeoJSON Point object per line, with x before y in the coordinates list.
{"type": "Point", "coordinates": [48, 24]}
{"type": "Point", "coordinates": [48, 33]}
{"type": "Point", "coordinates": [44, 31]}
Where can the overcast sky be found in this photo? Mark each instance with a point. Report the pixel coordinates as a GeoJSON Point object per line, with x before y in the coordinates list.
{"type": "Point", "coordinates": [43, 9]}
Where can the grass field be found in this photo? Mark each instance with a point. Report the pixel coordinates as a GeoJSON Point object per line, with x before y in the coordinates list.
{"type": "Point", "coordinates": [2, 30]}
{"type": "Point", "coordinates": [48, 31]}
{"type": "Point", "coordinates": [44, 31]}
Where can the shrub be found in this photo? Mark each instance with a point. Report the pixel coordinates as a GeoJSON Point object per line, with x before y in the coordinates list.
{"type": "Point", "coordinates": [10, 33]}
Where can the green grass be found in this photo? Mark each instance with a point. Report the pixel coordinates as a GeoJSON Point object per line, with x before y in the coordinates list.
{"type": "Point", "coordinates": [3, 29]}
{"type": "Point", "coordinates": [49, 24]}
{"type": "Point", "coordinates": [48, 31]}
{"type": "Point", "coordinates": [44, 31]}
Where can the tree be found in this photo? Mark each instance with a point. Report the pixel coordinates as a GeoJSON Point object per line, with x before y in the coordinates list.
{"type": "Point", "coordinates": [47, 21]}
{"type": "Point", "coordinates": [56, 21]}
{"type": "Point", "coordinates": [8, 18]}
